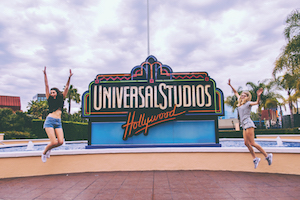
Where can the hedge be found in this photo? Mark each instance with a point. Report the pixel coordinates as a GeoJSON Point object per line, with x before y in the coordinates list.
{"type": "Point", "coordinates": [72, 130]}
{"type": "Point", "coordinates": [79, 131]}
{"type": "Point", "coordinates": [239, 134]}
{"type": "Point", "coordinates": [75, 131]}
{"type": "Point", "coordinates": [11, 135]}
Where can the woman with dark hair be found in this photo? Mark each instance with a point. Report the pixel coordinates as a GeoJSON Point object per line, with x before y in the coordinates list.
{"type": "Point", "coordinates": [244, 110]}
{"type": "Point", "coordinates": [52, 124]}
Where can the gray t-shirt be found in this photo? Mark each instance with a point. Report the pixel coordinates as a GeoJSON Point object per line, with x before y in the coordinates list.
{"type": "Point", "coordinates": [244, 111]}
{"type": "Point", "coordinates": [244, 114]}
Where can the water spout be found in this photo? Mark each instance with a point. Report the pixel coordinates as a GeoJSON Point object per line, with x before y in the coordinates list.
{"type": "Point", "coordinates": [30, 146]}
{"type": "Point", "coordinates": [279, 141]}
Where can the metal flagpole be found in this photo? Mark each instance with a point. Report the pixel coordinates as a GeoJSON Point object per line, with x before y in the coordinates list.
{"type": "Point", "coordinates": [148, 36]}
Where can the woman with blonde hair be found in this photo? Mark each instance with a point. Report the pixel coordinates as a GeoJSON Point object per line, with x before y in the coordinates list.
{"type": "Point", "coordinates": [52, 124]}
{"type": "Point", "coordinates": [244, 109]}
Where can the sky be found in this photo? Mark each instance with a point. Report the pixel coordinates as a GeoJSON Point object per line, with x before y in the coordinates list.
{"type": "Point", "coordinates": [236, 39]}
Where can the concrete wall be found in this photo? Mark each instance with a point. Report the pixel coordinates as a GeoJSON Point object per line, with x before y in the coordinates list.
{"type": "Point", "coordinates": [64, 162]}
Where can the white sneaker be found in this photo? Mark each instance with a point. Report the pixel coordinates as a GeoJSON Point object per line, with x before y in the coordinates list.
{"type": "Point", "coordinates": [44, 157]}
{"type": "Point", "coordinates": [256, 161]}
{"type": "Point", "coordinates": [269, 158]}
{"type": "Point", "coordinates": [48, 153]}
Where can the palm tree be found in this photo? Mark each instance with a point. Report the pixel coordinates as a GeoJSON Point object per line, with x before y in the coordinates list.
{"type": "Point", "coordinates": [38, 109]}
{"type": "Point", "coordinates": [289, 61]}
{"type": "Point", "coordinates": [253, 89]}
{"type": "Point", "coordinates": [292, 34]}
{"type": "Point", "coordinates": [269, 98]}
{"type": "Point", "coordinates": [292, 25]}
{"type": "Point", "coordinates": [288, 83]}
{"type": "Point", "coordinates": [72, 95]}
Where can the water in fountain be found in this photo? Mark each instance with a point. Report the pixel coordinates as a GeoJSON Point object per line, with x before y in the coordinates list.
{"type": "Point", "coordinates": [279, 141]}
{"type": "Point", "coordinates": [30, 146]}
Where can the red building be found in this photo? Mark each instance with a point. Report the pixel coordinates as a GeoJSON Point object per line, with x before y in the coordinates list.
{"type": "Point", "coordinates": [10, 102]}
{"type": "Point", "coordinates": [269, 115]}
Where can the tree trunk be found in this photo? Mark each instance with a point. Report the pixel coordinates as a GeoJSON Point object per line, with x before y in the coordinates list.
{"type": "Point", "coordinates": [281, 118]}
{"type": "Point", "coordinates": [292, 115]}
{"type": "Point", "coordinates": [69, 104]}
{"type": "Point", "coordinates": [291, 110]}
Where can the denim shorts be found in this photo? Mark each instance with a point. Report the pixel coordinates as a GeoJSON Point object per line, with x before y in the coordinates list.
{"type": "Point", "coordinates": [51, 122]}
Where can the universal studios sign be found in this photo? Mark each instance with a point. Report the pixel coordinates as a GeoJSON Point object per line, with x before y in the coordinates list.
{"type": "Point", "coordinates": [150, 95]}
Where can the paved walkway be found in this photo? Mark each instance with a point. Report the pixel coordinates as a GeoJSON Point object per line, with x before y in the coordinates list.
{"type": "Point", "coordinates": [153, 185]}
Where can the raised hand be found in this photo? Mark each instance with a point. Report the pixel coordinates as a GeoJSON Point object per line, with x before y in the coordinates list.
{"type": "Point", "coordinates": [259, 91]}
{"type": "Point", "coordinates": [71, 74]}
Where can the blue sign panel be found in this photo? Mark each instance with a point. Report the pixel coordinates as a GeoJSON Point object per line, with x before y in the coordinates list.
{"type": "Point", "coordinates": [185, 133]}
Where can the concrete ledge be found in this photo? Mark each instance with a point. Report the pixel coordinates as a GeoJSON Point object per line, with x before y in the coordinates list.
{"type": "Point", "coordinates": [282, 136]}
{"type": "Point", "coordinates": [148, 150]}
{"type": "Point", "coordinates": [285, 161]}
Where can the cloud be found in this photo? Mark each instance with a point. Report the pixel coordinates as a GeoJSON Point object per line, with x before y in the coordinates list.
{"type": "Point", "coordinates": [236, 39]}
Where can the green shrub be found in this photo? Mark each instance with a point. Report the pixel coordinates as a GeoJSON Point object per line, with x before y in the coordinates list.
{"type": "Point", "coordinates": [18, 121]}
{"type": "Point", "coordinates": [21, 122]}
{"type": "Point", "coordinates": [277, 131]}
{"type": "Point", "coordinates": [75, 131]}
{"type": "Point", "coordinates": [37, 128]}
{"type": "Point", "coordinates": [230, 134]}
{"type": "Point", "coordinates": [18, 125]}
{"type": "Point", "coordinates": [9, 135]}
{"type": "Point", "coordinates": [5, 119]}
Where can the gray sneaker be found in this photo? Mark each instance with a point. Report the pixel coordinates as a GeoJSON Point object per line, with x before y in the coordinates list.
{"type": "Point", "coordinates": [48, 154]}
{"type": "Point", "coordinates": [256, 161]}
{"type": "Point", "coordinates": [269, 158]}
{"type": "Point", "coordinates": [44, 157]}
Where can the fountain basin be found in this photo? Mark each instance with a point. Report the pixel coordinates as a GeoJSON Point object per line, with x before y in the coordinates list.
{"type": "Point", "coordinates": [40, 146]}
{"type": "Point", "coordinates": [81, 145]}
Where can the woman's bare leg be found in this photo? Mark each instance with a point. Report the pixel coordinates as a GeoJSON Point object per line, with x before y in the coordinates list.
{"type": "Point", "coordinates": [250, 137]}
{"type": "Point", "coordinates": [54, 142]}
{"type": "Point", "coordinates": [60, 136]}
{"type": "Point", "coordinates": [247, 143]}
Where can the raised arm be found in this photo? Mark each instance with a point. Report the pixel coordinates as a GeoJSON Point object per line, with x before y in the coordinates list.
{"type": "Point", "coordinates": [234, 91]}
{"type": "Point", "coordinates": [259, 92]}
{"type": "Point", "coordinates": [67, 85]}
{"type": "Point", "coordinates": [46, 83]}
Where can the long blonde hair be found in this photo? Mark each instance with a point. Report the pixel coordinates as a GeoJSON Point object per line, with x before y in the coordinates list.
{"type": "Point", "coordinates": [245, 100]}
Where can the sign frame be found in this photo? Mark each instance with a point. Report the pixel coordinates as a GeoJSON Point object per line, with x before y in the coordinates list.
{"type": "Point", "coordinates": [151, 91]}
